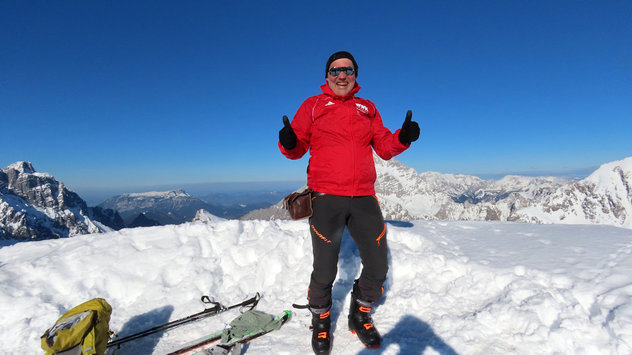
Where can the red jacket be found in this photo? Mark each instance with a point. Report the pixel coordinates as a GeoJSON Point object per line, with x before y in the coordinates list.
{"type": "Point", "coordinates": [339, 132]}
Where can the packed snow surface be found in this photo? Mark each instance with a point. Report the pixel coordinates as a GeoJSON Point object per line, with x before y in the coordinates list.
{"type": "Point", "coordinates": [452, 288]}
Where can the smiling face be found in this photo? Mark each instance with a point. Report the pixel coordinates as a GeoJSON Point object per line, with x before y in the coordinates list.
{"type": "Point", "coordinates": [341, 84]}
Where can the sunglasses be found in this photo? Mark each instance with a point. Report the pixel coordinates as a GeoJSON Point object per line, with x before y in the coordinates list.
{"type": "Point", "coordinates": [335, 71]}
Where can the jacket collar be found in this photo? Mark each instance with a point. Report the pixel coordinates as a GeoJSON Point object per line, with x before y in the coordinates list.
{"type": "Point", "coordinates": [327, 91]}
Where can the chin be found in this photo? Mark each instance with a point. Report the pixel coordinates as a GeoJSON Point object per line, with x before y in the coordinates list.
{"type": "Point", "coordinates": [342, 92]}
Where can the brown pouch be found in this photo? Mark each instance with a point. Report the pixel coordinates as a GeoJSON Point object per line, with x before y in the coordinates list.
{"type": "Point", "coordinates": [299, 204]}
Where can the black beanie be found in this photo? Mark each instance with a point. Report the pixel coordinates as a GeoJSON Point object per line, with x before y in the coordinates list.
{"type": "Point", "coordinates": [338, 55]}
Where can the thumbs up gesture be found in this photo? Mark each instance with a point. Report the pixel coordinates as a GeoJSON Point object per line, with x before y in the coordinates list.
{"type": "Point", "coordinates": [410, 130]}
{"type": "Point", "coordinates": [287, 137]}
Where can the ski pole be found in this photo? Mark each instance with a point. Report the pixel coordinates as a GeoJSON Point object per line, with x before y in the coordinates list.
{"type": "Point", "coordinates": [216, 309]}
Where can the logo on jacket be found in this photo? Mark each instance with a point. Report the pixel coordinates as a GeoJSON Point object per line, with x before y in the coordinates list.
{"type": "Point", "coordinates": [330, 103]}
{"type": "Point", "coordinates": [362, 108]}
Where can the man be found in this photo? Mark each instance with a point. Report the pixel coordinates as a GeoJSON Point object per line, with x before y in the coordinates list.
{"type": "Point", "coordinates": [341, 131]}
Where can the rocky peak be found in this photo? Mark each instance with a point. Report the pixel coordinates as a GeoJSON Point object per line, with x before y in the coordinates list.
{"type": "Point", "coordinates": [604, 197]}
{"type": "Point", "coordinates": [36, 206]}
{"type": "Point", "coordinates": [21, 166]}
{"type": "Point", "coordinates": [40, 190]}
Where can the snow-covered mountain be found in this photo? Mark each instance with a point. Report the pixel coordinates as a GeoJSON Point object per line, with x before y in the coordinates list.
{"type": "Point", "coordinates": [164, 207]}
{"type": "Point", "coordinates": [602, 198]}
{"type": "Point", "coordinates": [407, 195]}
{"type": "Point", "coordinates": [176, 206]}
{"type": "Point", "coordinates": [453, 287]}
{"type": "Point", "coordinates": [34, 205]}
{"type": "Point", "coordinates": [205, 216]}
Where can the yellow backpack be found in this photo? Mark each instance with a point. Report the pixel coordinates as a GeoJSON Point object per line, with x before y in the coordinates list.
{"type": "Point", "coordinates": [84, 330]}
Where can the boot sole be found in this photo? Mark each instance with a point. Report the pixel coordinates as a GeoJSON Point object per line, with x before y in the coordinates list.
{"type": "Point", "coordinates": [365, 345]}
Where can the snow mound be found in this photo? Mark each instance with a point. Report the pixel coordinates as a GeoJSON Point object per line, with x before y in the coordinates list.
{"type": "Point", "coordinates": [453, 287]}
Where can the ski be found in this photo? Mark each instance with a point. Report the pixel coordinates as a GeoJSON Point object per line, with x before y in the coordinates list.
{"type": "Point", "coordinates": [232, 345]}
{"type": "Point", "coordinates": [208, 312]}
{"type": "Point", "coordinates": [197, 344]}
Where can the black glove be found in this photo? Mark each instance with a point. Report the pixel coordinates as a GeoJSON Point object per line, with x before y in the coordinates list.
{"type": "Point", "coordinates": [287, 137]}
{"type": "Point", "coordinates": [410, 130]}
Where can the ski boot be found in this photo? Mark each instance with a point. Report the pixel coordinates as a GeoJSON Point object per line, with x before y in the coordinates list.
{"type": "Point", "coordinates": [321, 330]}
{"type": "Point", "coordinates": [360, 321]}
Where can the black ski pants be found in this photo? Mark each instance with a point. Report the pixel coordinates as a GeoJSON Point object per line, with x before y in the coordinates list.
{"type": "Point", "coordinates": [363, 217]}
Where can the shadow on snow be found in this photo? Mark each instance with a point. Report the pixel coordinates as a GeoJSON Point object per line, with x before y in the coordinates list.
{"type": "Point", "coordinates": [413, 336]}
{"type": "Point", "coordinates": [402, 224]}
{"type": "Point", "coordinates": [139, 323]}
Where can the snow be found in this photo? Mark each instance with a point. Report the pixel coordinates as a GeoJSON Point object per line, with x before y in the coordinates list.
{"type": "Point", "coordinates": [161, 194]}
{"type": "Point", "coordinates": [604, 175]}
{"type": "Point", "coordinates": [21, 166]}
{"type": "Point", "coordinates": [205, 216]}
{"type": "Point", "coordinates": [453, 287]}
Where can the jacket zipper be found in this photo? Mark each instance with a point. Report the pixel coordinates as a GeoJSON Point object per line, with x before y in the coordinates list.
{"type": "Point", "coordinates": [353, 146]}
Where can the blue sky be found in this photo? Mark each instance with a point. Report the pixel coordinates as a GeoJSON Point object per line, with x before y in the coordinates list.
{"type": "Point", "coordinates": [137, 93]}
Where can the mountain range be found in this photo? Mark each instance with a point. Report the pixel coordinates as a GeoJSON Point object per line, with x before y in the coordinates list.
{"type": "Point", "coordinates": [604, 197]}
{"type": "Point", "coordinates": [177, 206]}
{"type": "Point", "coordinates": [156, 207]}
{"type": "Point", "coordinates": [34, 205]}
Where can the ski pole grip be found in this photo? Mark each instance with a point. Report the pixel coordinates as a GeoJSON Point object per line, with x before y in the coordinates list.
{"type": "Point", "coordinates": [207, 300]}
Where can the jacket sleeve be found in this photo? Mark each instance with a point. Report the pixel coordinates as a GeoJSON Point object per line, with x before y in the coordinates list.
{"type": "Point", "coordinates": [302, 126]}
{"type": "Point", "coordinates": [385, 143]}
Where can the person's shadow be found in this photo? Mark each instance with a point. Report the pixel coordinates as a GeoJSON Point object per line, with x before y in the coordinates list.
{"type": "Point", "coordinates": [139, 323]}
{"type": "Point", "coordinates": [413, 336]}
